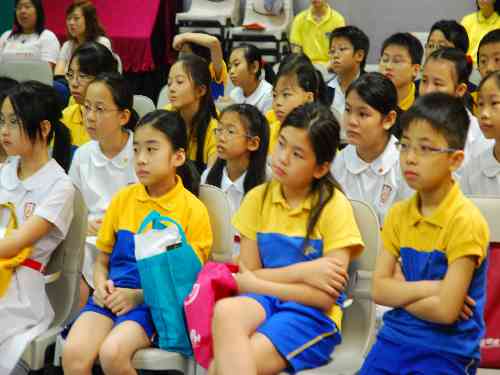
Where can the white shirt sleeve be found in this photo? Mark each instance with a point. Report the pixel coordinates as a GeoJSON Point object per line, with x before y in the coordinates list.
{"type": "Point", "coordinates": [49, 47]}
{"type": "Point", "coordinates": [65, 53]}
{"type": "Point", "coordinates": [204, 175]}
{"type": "Point", "coordinates": [105, 42]}
{"type": "Point", "coordinates": [3, 39]}
{"type": "Point", "coordinates": [74, 170]}
{"type": "Point", "coordinates": [57, 207]}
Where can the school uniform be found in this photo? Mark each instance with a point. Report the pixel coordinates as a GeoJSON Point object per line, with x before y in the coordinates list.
{"type": "Point", "coordinates": [70, 46]}
{"type": "Point", "coordinates": [426, 246]}
{"type": "Point", "coordinates": [477, 26]}
{"type": "Point", "coordinates": [481, 176]}
{"type": "Point", "coordinates": [25, 311]}
{"type": "Point", "coordinates": [217, 84]}
{"type": "Point", "coordinates": [44, 46]}
{"type": "Point", "coordinates": [262, 97]}
{"type": "Point", "coordinates": [406, 103]}
{"type": "Point", "coordinates": [305, 336]}
{"type": "Point", "coordinates": [127, 210]}
{"type": "Point", "coordinates": [99, 179]}
{"type": "Point", "coordinates": [210, 145]}
{"type": "Point", "coordinates": [338, 96]}
{"type": "Point", "coordinates": [312, 35]}
{"type": "Point", "coordinates": [378, 183]}
{"type": "Point", "coordinates": [72, 117]}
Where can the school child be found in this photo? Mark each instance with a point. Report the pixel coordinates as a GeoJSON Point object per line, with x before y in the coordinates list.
{"type": "Point", "coordinates": [115, 323]}
{"type": "Point", "coordinates": [242, 144]}
{"type": "Point", "coordinates": [400, 62]}
{"type": "Point", "coordinates": [103, 165]}
{"type": "Point", "coordinates": [209, 48]}
{"type": "Point", "coordinates": [189, 94]}
{"type": "Point", "coordinates": [349, 48]}
{"type": "Point", "coordinates": [6, 83]}
{"type": "Point", "coordinates": [88, 60]}
{"type": "Point", "coordinates": [298, 82]}
{"type": "Point", "coordinates": [42, 195]}
{"type": "Point", "coordinates": [481, 176]}
{"type": "Point", "coordinates": [441, 239]}
{"type": "Point", "coordinates": [368, 168]}
{"type": "Point", "coordinates": [447, 70]}
{"type": "Point", "coordinates": [245, 70]}
{"type": "Point", "coordinates": [478, 24]}
{"type": "Point", "coordinates": [298, 235]}
{"type": "Point", "coordinates": [310, 29]}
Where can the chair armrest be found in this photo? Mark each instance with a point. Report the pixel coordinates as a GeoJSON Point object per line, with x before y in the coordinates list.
{"type": "Point", "coordinates": [52, 277]}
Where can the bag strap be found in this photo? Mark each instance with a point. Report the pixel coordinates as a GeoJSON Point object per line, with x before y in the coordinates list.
{"type": "Point", "coordinates": [13, 223]}
{"type": "Point", "coordinates": [156, 220]}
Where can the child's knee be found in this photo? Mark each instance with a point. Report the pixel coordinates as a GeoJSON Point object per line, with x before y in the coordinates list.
{"type": "Point", "coordinates": [224, 310]}
{"type": "Point", "coordinates": [74, 360]}
{"type": "Point", "coordinates": [112, 354]}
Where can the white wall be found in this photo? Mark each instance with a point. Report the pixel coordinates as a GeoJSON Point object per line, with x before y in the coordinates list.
{"type": "Point", "coordinates": [380, 18]}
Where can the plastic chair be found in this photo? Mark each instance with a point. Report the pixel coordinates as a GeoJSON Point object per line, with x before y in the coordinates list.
{"type": "Point", "coordinates": [490, 208]}
{"type": "Point", "coordinates": [118, 62]}
{"type": "Point", "coordinates": [63, 281]}
{"type": "Point", "coordinates": [275, 32]}
{"type": "Point", "coordinates": [219, 212]}
{"type": "Point", "coordinates": [27, 70]}
{"type": "Point", "coordinates": [358, 324]}
{"type": "Point", "coordinates": [162, 98]}
{"type": "Point", "coordinates": [475, 77]}
{"type": "Point", "coordinates": [371, 68]}
{"type": "Point", "coordinates": [143, 105]}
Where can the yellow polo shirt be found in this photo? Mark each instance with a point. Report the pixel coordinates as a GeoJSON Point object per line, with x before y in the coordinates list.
{"type": "Point", "coordinates": [407, 102]}
{"type": "Point", "coordinates": [73, 119]}
{"type": "Point", "coordinates": [477, 27]}
{"type": "Point", "coordinates": [313, 36]}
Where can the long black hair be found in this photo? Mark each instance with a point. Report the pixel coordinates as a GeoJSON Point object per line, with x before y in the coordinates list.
{"type": "Point", "coordinates": [40, 18]}
{"type": "Point", "coordinates": [94, 58]}
{"type": "Point", "coordinates": [197, 69]}
{"type": "Point", "coordinates": [256, 126]}
{"type": "Point", "coordinates": [253, 54]}
{"type": "Point", "coordinates": [173, 127]}
{"type": "Point", "coordinates": [324, 134]}
{"type": "Point", "coordinates": [34, 102]}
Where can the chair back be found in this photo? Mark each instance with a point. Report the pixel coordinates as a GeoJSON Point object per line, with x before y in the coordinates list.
{"type": "Point", "coordinates": [143, 105]}
{"type": "Point", "coordinates": [27, 70]}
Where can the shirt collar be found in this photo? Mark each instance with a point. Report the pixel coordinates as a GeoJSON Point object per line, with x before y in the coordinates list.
{"type": "Point", "coordinates": [10, 180]}
{"type": "Point", "coordinates": [407, 102]}
{"type": "Point", "coordinates": [323, 19]}
{"type": "Point", "coordinates": [76, 114]}
{"type": "Point", "coordinates": [440, 216]}
{"type": "Point", "coordinates": [488, 21]}
{"type": "Point", "coordinates": [379, 166]}
{"type": "Point", "coordinates": [489, 165]}
{"type": "Point", "coordinates": [120, 161]}
{"type": "Point", "coordinates": [167, 201]}
{"type": "Point", "coordinates": [226, 182]}
{"type": "Point", "coordinates": [277, 197]}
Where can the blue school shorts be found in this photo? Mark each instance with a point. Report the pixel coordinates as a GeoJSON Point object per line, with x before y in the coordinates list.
{"type": "Point", "coordinates": [389, 358]}
{"type": "Point", "coordinates": [303, 335]}
{"type": "Point", "coordinates": [140, 314]}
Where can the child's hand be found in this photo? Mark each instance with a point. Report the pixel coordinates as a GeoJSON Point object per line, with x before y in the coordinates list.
{"type": "Point", "coordinates": [178, 42]}
{"type": "Point", "coordinates": [326, 274]}
{"type": "Point", "coordinates": [102, 291]}
{"type": "Point", "coordinates": [122, 300]}
{"type": "Point", "coordinates": [468, 308]}
{"type": "Point", "coordinates": [93, 227]}
{"type": "Point", "coordinates": [245, 279]}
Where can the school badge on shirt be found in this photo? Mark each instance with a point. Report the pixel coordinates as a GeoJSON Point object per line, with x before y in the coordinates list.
{"type": "Point", "coordinates": [385, 194]}
{"type": "Point", "coordinates": [29, 208]}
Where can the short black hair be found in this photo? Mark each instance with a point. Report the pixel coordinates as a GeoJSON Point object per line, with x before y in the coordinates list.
{"type": "Point", "coordinates": [446, 114]}
{"type": "Point", "coordinates": [490, 38]}
{"type": "Point", "coordinates": [358, 39]}
{"type": "Point", "coordinates": [453, 32]}
{"type": "Point", "coordinates": [408, 41]}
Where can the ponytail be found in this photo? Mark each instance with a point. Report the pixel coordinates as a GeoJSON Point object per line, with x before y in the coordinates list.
{"type": "Point", "coordinates": [132, 121]}
{"type": "Point", "coordinates": [62, 145]}
{"type": "Point", "coordinates": [190, 176]}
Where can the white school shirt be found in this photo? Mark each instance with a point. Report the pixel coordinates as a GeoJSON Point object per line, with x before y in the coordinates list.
{"type": "Point", "coordinates": [99, 179]}
{"type": "Point", "coordinates": [44, 46]}
{"type": "Point", "coordinates": [262, 97]}
{"type": "Point", "coordinates": [69, 47]}
{"type": "Point", "coordinates": [481, 176]}
{"type": "Point", "coordinates": [25, 310]}
{"type": "Point", "coordinates": [378, 183]}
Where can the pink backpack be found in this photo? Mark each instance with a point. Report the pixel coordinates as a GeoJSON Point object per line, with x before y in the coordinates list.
{"type": "Point", "coordinates": [215, 281]}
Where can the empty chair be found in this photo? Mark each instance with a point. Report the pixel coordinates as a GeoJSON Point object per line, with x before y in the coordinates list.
{"type": "Point", "coordinates": [63, 281]}
{"type": "Point", "coordinates": [27, 70]}
{"type": "Point", "coordinates": [118, 62]}
{"type": "Point", "coordinates": [275, 29]}
{"type": "Point", "coordinates": [143, 105]}
{"type": "Point", "coordinates": [162, 98]}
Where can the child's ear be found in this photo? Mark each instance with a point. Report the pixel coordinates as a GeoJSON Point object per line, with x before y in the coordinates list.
{"type": "Point", "coordinates": [253, 144]}
{"type": "Point", "coordinates": [309, 97]}
{"type": "Point", "coordinates": [389, 120]}
{"type": "Point", "coordinates": [179, 157]}
{"type": "Point", "coordinates": [200, 91]}
{"type": "Point", "coordinates": [125, 117]}
{"type": "Point", "coordinates": [321, 170]}
{"type": "Point", "coordinates": [359, 55]}
{"type": "Point", "coordinates": [461, 89]}
{"type": "Point", "coordinates": [254, 67]}
{"type": "Point", "coordinates": [45, 127]}
{"type": "Point", "coordinates": [415, 70]}
{"type": "Point", "coordinates": [456, 158]}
